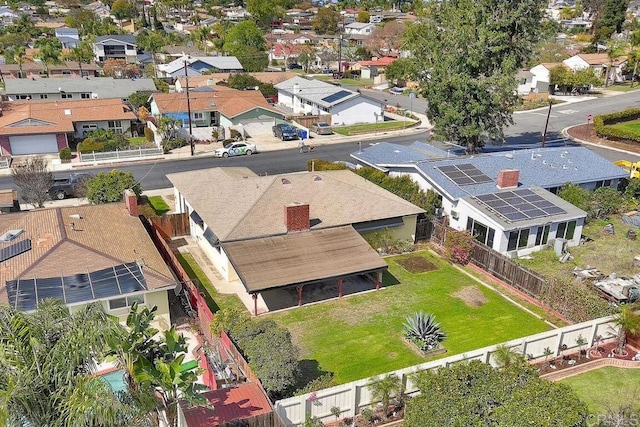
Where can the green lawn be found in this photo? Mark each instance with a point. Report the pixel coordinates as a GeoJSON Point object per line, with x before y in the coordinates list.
{"type": "Point", "coordinates": [624, 87]}
{"type": "Point", "coordinates": [371, 127]}
{"type": "Point", "coordinates": [361, 336]}
{"type": "Point", "coordinates": [607, 388]}
{"type": "Point", "coordinates": [139, 141]}
{"type": "Point", "coordinates": [632, 125]}
{"type": "Point", "coordinates": [159, 205]}
{"type": "Point", "coordinates": [215, 300]}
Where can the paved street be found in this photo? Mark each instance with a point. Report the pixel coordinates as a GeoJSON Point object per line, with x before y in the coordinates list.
{"type": "Point", "coordinates": [525, 133]}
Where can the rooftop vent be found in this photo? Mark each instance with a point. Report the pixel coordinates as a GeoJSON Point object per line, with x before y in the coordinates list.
{"type": "Point", "coordinates": [67, 112]}
{"type": "Point", "coordinates": [10, 235]}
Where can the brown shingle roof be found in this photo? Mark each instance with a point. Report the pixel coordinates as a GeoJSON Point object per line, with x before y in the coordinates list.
{"type": "Point", "coordinates": [252, 206]}
{"type": "Point", "coordinates": [227, 101]}
{"type": "Point", "coordinates": [265, 77]}
{"type": "Point", "coordinates": [601, 59]}
{"type": "Point", "coordinates": [37, 117]}
{"type": "Point", "coordinates": [105, 236]}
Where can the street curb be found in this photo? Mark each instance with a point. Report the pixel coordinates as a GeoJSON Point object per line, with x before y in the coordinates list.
{"type": "Point", "coordinates": [565, 133]}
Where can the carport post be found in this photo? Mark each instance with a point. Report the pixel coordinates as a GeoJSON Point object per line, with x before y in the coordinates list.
{"type": "Point", "coordinates": [378, 279]}
{"type": "Point", "coordinates": [299, 288]}
{"type": "Point", "coordinates": [339, 288]}
{"type": "Point", "coordinates": [255, 304]}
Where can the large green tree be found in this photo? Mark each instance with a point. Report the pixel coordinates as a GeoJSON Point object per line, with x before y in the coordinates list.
{"type": "Point", "coordinates": [246, 42]}
{"type": "Point", "coordinates": [49, 51]}
{"type": "Point", "coordinates": [614, 13]}
{"type": "Point", "coordinates": [45, 360]}
{"type": "Point", "coordinates": [476, 394]}
{"type": "Point", "coordinates": [326, 21]}
{"type": "Point", "coordinates": [468, 53]}
{"type": "Point", "coordinates": [108, 187]}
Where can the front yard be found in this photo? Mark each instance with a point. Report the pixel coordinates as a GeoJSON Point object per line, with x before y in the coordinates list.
{"type": "Point", "coordinates": [361, 336]}
{"type": "Point", "coordinates": [372, 127]}
{"type": "Point", "coordinates": [607, 388]}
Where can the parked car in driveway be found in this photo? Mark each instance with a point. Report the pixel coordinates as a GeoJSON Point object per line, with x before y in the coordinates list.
{"type": "Point", "coordinates": [285, 132]}
{"type": "Point", "coordinates": [236, 149]}
{"type": "Point", "coordinates": [322, 128]}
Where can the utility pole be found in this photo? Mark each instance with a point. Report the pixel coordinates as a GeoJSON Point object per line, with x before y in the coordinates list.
{"type": "Point", "coordinates": [340, 50]}
{"type": "Point", "coordinates": [546, 125]}
{"type": "Point", "coordinates": [186, 77]}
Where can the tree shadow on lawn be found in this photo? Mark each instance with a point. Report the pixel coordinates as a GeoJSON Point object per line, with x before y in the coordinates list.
{"type": "Point", "coordinates": [310, 371]}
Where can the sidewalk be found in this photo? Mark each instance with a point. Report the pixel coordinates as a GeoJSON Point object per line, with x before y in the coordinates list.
{"type": "Point", "coordinates": [264, 143]}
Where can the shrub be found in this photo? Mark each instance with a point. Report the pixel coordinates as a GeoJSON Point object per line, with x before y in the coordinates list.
{"type": "Point", "coordinates": [214, 135]}
{"type": "Point", "coordinates": [423, 330]}
{"type": "Point", "coordinates": [107, 187]}
{"type": "Point", "coordinates": [606, 201]}
{"type": "Point", "coordinates": [458, 246]}
{"type": "Point", "coordinates": [603, 122]}
{"type": "Point", "coordinates": [148, 134]}
{"type": "Point", "coordinates": [324, 165]}
{"type": "Point", "coordinates": [65, 154]}
{"type": "Point", "coordinates": [90, 145]}
{"type": "Point", "coordinates": [576, 195]}
{"type": "Point", "coordinates": [235, 135]}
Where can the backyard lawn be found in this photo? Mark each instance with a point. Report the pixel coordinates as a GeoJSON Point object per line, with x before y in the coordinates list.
{"type": "Point", "coordinates": [159, 205]}
{"type": "Point", "coordinates": [607, 388]}
{"type": "Point", "coordinates": [362, 335]}
{"type": "Point", "coordinates": [608, 253]}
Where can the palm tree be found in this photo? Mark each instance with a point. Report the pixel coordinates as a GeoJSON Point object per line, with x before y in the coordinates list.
{"type": "Point", "coordinates": [16, 54]}
{"type": "Point", "coordinates": [50, 51]}
{"type": "Point", "coordinates": [384, 389]}
{"type": "Point", "coordinates": [83, 53]}
{"type": "Point", "coordinates": [505, 356]}
{"type": "Point", "coordinates": [628, 322]}
{"type": "Point", "coordinates": [46, 358]}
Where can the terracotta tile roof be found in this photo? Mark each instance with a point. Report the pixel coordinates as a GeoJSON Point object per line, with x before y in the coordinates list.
{"type": "Point", "coordinates": [382, 62]}
{"type": "Point", "coordinates": [279, 49]}
{"type": "Point", "coordinates": [552, 65]}
{"type": "Point", "coordinates": [228, 404]}
{"type": "Point", "coordinates": [229, 102]}
{"type": "Point", "coordinates": [601, 59]}
{"type": "Point", "coordinates": [265, 77]}
{"type": "Point", "coordinates": [105, 236]}
{"type": "Point", "coordinates": [251, 206]}
{"type": "Point", "coordinates": [37, 117]}
{"type": "Point", "coordinates": [7, 197]}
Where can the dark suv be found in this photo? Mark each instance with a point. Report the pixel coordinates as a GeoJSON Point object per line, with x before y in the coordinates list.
{"type": "Point", "coordinates": [285, 132]}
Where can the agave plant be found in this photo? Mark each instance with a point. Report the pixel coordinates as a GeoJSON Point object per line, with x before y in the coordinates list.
{"type": "Point", "coordinates": [423, 330]}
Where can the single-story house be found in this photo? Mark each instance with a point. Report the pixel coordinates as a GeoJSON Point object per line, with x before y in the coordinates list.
{"type": "Point", "coordinates": [278, 231]}
{"type": "Point", "coordinates": [74, 88]}
{"type": "Point", "coordinates": [360, 28]}
{"type": "Point", "coordinates": [600, 63]}
{"type": "Point", "coordinates": [371, 69]}
{"type": "Point", "coordinates": [41, 127]}
{"type": "Point", "coordinates": [79, 255]}
{"type": "Point", "coordinates": [68, 37]}
{"type": "Point", "coordinates": [198, 65]}
{"type": "Point", "coordinates": [541, 75]}
{"type": "Point", "coordinates": [214, 106]}
{"type": "Point", "coordinates": [273, 78]}
{"type": "Point", "coordinates": [116, 47]}
{"type": "Point", "coordinates": [505, 192]}
{"type": "Point", "coordinates": [345, 107]}
{"type": "Point", "coordinates": [36, 69]}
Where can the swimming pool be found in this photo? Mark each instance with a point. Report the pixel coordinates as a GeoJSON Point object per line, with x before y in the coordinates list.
{"type": "Point", "coordinates": [115, 380]}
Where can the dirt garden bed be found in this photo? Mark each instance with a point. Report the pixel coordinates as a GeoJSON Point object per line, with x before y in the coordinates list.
{"type": "Point", "coordinates": [417, 264]}
{"type": "Point", "coordinates": [570, 360]}
{"type": "Point", "coordinates": [588, 133]}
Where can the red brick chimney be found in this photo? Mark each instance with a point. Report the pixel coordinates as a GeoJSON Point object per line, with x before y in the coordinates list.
{"type": "Point", "coordinates": [131, 202]}
{"type": "Point", "coordinates": [508, 178]}
{"type": "Point", "coordinates": [296, 217]}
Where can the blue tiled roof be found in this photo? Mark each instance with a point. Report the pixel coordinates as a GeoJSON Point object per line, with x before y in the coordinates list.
{"type": "Point", "coordinates": [385, 154]}
{"type": "Point", "coordinates": [546, 168]}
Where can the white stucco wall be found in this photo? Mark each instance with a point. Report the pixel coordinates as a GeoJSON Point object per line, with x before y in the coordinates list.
{"type": "Point", "coordinates": [356, 110]}
{"type": "Point", "coordinates": [406, 232]}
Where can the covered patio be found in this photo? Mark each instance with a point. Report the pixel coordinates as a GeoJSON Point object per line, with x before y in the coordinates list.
{"type": "Point", "coordinates": [334, 262]}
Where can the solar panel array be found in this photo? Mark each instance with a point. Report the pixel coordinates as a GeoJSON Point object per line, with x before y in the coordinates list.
{"type": "Point", "coordinates": [25, 294]}
{"type": "Point", "coordinates": [519, 205]}
{"type": "Point", "coordinates": [336, 96]}
{"type": "Point", "coordinates": [15, 249]}
{"type": "Point", "coordinates": [464, 174]}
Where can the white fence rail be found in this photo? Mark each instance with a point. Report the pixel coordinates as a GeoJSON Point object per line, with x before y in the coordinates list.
{"type": "Point", "coordinates": [4, 163]}
{"type": "Point", "coordinates": [354, 396]}
{"type": "Point", "coordinates": [121, 154]}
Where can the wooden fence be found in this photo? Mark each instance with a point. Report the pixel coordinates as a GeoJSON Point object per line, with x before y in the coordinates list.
{"type": "Point", "coordinates": [308, 121]}
{"type": "Point", "coordinates": [424, 229]}
{"type": "Point", "coordinates": [507, 270]}
{"type": "Point", "coordinates": [264, 420]}
{"type": "Point", "coordinates": [172, 225]}
{"type": "Point", "coordinates": [238, 358]}
{"type": "Point", "coordinates": [493, 262]}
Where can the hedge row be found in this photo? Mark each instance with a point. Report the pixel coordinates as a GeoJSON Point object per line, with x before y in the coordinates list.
{"type": "Point", "coordinates": [603, 125]}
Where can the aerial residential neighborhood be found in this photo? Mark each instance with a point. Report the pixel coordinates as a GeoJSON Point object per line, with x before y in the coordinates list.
{"type": "Point", "coordinates": [319, 213]}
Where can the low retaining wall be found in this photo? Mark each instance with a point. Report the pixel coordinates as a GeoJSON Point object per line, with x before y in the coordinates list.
{"type": "Point", "coordinates": [590, 366]}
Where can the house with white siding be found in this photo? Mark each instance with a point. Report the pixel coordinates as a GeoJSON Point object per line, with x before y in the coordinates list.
{"type": "Point", "coordinates": [313, 97]}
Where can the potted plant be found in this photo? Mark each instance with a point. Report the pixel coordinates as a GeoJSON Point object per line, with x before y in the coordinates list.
{"type": "Point", "coordinates": [581, 343]}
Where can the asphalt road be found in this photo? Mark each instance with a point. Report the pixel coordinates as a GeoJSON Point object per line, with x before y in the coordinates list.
{"type": "Point", "coordinates": [525, 133]}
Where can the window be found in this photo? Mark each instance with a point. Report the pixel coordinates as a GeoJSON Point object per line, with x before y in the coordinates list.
{"type": "Point", "coordinates": [542, 235]}
{"type": "Point", "coordinates": [85, 96]}
{"type": "Point", "coordinates": [66, 72]}
{"type": "Point", "coordinates": [198, 116]}
{"type": "Point", "coordinates": [566, 230]}
{"type": "Point", "coordinates": [118, 303]}
{"type": "Point", "coordinates": [605, 183]}
{"type": "Point", "coordinates": [23, 97]}
{"type": "Point", "coordinates": [66, 95]}
{"type": "Point", "coordinates": [43, 96]}
{"type": "Point", "coordinates": [481, 232]}
{"type": "Point", "coordinates": [518, 239]}
{"type": "Point", "coordinates": [115, 125]}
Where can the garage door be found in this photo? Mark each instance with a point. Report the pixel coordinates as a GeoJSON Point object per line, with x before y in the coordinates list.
{"type": "Point", "coordinates": [33, 144]}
